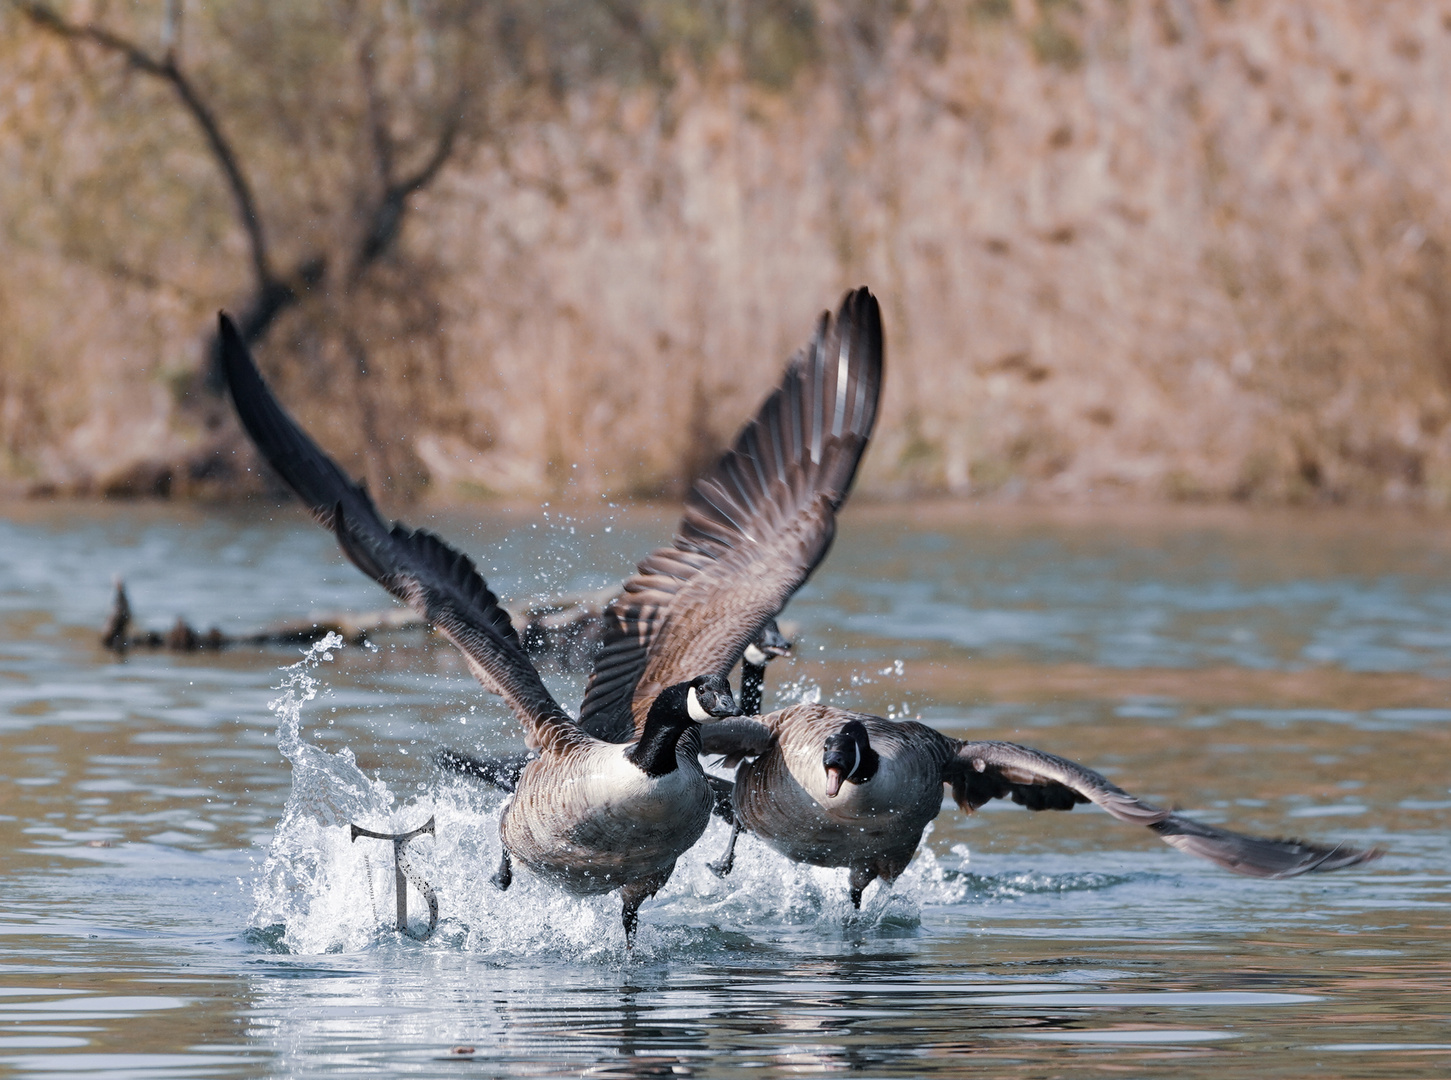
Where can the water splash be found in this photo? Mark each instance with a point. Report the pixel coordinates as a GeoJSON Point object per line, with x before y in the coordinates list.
{"type": "Point", "coordinates": [311, 865]}
{"type": "Point", "coordinates": [319, 892]}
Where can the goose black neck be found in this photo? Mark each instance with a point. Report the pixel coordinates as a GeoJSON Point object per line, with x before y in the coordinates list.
{"type": "Point", "coordinates": [668, 719]}
{"type": "Point", "coordinates": [753, 677]}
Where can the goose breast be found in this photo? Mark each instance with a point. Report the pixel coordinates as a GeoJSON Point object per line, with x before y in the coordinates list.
{"type": "Point", "coordinates": [781, 795]}
{"type": "Point", "coordinates": [606, 819]}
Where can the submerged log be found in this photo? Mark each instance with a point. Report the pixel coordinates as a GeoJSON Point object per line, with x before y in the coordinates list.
{"type": "Point", "coordinates": [567, 630]}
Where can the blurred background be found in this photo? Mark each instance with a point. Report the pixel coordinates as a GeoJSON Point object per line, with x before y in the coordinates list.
{"type": "Point", "coordinates": [1127, 249]}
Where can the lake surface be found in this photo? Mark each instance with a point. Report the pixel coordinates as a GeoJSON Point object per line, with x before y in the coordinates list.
{"type": "Point", "coordinates": [181, 899]}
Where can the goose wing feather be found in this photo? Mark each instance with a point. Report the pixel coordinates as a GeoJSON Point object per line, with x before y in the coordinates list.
{"type": "Point", "coordinates": [753, 530]}
{"type": "Point", "coordinates": [420, 569]}
{"type": "Point", "coordinates": [982, 771]}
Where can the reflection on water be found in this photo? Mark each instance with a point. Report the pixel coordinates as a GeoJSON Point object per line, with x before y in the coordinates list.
{"type": "Point", "coordinates": [169, 912]}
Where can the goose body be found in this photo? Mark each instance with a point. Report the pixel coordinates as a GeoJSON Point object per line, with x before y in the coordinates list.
{"type": "Point", "coordinates": [830, 787]}
{"type": "Point", "coordinates": [781, 795]}
{"type": "Point", "coordinates": [606, 823]}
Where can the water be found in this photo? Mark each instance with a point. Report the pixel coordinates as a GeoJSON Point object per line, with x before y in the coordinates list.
{"type": "Point", "coordinates": [181, 898]}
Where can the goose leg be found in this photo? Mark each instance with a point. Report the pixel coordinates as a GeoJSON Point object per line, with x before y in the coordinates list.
{"type": "Point", "coordinates": [504, 876]}
{"type": "Point", "coordinates": [630, 916]}
{"type": "Point", "coordinates": [861, 877]}
{"type": "Point", "coordinates": [722, 806]}
{"type": "Point", "coordinates": [722, 867]}
{"type": "Point", "coordinates": [636, 893]}
{"type": "Point", "coordinates": [633, 896]}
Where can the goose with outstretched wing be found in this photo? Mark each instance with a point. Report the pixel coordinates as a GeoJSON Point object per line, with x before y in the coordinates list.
{"type": "Point", "coordinates": [830, 787]}
{"type": "Point", "coordinates": [754, 527]}
{"type": "Point", "coordinates": [590, 815]}
{"type": "Point", "coordinates": [753, 530]}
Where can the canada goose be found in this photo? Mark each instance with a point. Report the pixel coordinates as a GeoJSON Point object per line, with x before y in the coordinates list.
{"type": "Point", "coordinates": [590, 815]}
{"type": "Point", "coordinates": [754, 527]}
{"type": "Point", "coordinates": [769, 645]}
{"type": "Point", "coordinates": [836, 788]}
{"type": "Point", "coordinates": [753, 530]}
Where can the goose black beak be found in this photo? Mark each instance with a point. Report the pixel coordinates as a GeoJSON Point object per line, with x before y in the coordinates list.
{"type": "Point", "coordinates": [839, 762]}
{"type": "Point", "coordinates": [772, 642]}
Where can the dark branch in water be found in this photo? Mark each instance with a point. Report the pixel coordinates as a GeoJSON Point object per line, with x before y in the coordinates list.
{"type": "Point", "coordinates": [567, 630]}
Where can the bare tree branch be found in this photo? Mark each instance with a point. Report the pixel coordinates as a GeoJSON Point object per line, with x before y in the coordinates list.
{"type": "Point", "coordinates": [377, 121]}
{"type": "Point", "coordinates": [168, 70]}
{"type": "Point", "coordinates": [387, 216]}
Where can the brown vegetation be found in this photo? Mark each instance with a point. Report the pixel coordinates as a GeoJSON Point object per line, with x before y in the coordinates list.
{"type": "Point", "coordinates": [1185, 249]}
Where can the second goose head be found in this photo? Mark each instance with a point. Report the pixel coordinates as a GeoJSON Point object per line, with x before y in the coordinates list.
{"type": "Point", "coordinates": [848, 756]}
{"type": "Point", "coordinates": [675, 710]}
{"type": "Point", "coordinates": [769, 644]}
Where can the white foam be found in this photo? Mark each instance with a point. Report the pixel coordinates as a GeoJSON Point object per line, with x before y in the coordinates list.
{"type": "Point", "coordinates": [329, 894]}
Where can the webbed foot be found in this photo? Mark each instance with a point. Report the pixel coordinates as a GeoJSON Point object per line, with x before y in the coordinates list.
{"type": "Point", "coordinates": [504, 876]}
{"type": "Point", "coordinates": [723, 865]}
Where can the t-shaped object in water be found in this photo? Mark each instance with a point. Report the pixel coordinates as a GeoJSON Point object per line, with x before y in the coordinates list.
{"type": "Point", "coordinates": [403, 873]}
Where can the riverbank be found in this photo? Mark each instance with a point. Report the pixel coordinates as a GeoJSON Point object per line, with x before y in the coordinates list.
{"type": "Point", "coordinates": [1140, 252]}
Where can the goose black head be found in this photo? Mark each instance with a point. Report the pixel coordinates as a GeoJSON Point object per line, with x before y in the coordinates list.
{"type": "Point", "coordinates": [709, 697]}
{"type": "Point", "coordinates": [848, 756]}
{"type": "Point", "coordinates": [769, 644]}
{"type": "Point", "coordinates": [675, 709]}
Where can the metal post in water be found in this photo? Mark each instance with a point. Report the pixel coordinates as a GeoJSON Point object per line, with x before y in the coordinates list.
{"type": "Point", "coordinates": [403, 873]}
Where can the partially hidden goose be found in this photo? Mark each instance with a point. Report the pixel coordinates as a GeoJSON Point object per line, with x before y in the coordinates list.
{"type": "Point", "coordinates": [769, 645]}
{"type": "Point", "coordinates": [754, 527]}
{"type": "Point", "coordinates": [835, 788]}
{"type": "Point", "coordinates": [589, 815]}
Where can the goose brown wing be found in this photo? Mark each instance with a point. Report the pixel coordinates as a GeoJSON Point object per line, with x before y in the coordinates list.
{"type": "Point", "coordinates": [754, 527]}
{"type": "Point", "coordinates": [983, 771]}
{"type": "Point", "coordinates": [417, 567]}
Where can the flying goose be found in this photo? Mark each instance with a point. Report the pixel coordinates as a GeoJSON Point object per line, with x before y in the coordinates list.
{"type": "Point", "coordinates": [753, 530]}
{"type": "Point", "coordinates": [590, 815]}
{"type": "Point", "coordinates": [835, 788]}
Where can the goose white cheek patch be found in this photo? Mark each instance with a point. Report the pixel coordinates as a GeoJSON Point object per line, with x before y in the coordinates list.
{"type": "Point", "coordinates": [857, 750]}
{"type": "Point", "coordinates": [694, 708]}
{"type": "Point", "coordinates": [755, 655]}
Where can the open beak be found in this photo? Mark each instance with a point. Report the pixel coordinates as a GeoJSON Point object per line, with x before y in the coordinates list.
{"type": "Point", "coordinates": [833, 781]}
